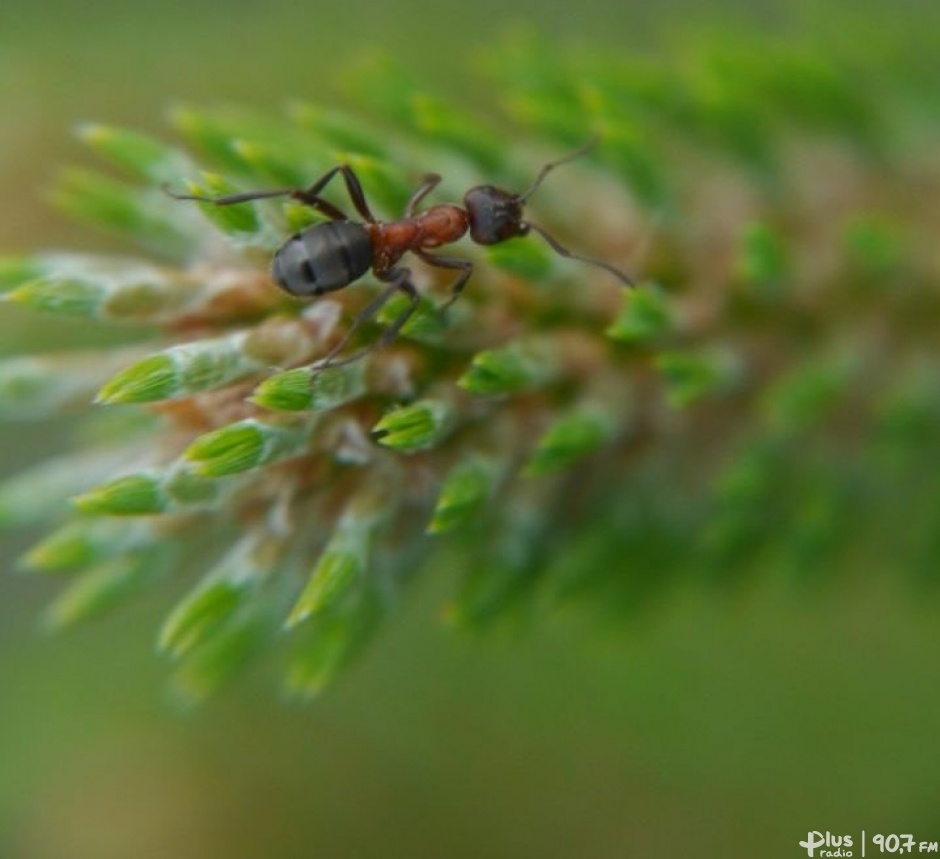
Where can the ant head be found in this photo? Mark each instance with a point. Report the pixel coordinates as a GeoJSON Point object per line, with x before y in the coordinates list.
{"type": "Point", "coordinates": [495, 215]}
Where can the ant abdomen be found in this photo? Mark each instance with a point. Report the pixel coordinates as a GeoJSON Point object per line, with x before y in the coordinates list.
{"type": "Point", "coordinates": [323, 258]}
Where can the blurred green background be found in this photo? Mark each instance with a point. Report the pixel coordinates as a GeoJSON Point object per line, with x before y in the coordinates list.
{"type": "Point", "coordinates": [715, 725]}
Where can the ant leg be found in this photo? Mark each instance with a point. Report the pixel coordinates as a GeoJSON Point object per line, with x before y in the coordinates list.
{"type": "Point", "coordinates": [313, 201]}
{"type": "Point", "coordinates": [353, 188]}
{"type": "Point", "coordinates": [321, 205]}
{"type": "Point", "coordinates": [563, 251]}
{"type": "Point", "coordinates": [229, 199]}
{"type": "Point", "coordinates": [428, 184]}
{"type": "Point", "coordinates": [402, 280]}
{"type": "Point", "coordinates": [310, 196]}
{"type": "Point", "coordinates": [398, 279]}
{"type": "Point", "coordinates": [360, 318]}
{"type": "Point", "coordinates": [465, 267]}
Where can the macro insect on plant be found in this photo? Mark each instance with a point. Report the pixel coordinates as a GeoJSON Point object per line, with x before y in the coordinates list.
{"type": "Point", "coordinates": [540, 453]}
{"type": "Point", "coordinates": [329, 256]}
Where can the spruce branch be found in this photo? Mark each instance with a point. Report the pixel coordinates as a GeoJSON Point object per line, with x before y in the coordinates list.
{"type": "Point", "coordinates": [758, 404]}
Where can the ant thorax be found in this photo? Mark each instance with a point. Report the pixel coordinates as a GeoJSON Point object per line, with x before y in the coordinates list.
{"type": "Point", "coordinates": [439, 225]}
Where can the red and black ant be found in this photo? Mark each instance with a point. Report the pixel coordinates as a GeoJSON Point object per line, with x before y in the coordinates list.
{"type": "Point", "coordinates": [328, 256]}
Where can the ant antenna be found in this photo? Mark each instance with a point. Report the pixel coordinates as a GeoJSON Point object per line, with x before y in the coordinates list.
{"type": "Point", "coordinates": [555, 245]}
{"type": "Point", "coordinates": [581, 150]}
{"type": "Point", "coordinates": [561, 250]}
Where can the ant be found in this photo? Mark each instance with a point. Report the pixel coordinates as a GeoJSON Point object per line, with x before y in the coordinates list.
{"type": "Point", "coordinates": [331, 255]}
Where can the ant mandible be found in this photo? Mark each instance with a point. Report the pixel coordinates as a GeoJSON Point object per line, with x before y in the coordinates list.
{"type": "Point", "coordinates": [328, 256]}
